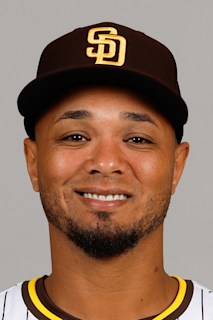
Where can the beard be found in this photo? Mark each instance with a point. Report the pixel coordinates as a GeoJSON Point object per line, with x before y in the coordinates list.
{"type": "Point", "coordinates": [106, 239]}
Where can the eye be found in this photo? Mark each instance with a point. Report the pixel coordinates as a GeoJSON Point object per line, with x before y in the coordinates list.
{"type": "Point", "coordinates": [138, 140]}
{"type": "Point", "coordinates": [75, 138]}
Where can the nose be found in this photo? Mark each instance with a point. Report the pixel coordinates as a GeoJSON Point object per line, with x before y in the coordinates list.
{"type": "Point", "coordinates": [106, 159]}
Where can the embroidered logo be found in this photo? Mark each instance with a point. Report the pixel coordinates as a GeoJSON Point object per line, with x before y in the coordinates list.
{"type": "Point", "coordinates": [111, 47]}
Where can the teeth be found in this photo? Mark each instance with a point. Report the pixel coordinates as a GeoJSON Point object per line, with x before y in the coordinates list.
{"type": "Point", "coordinates": [101, 197]}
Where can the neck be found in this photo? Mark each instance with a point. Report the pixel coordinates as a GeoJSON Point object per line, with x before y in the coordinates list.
{"type": "Point", "coordinates": [113, 288]}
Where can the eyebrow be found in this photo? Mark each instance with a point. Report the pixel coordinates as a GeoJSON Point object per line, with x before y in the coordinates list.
{"type": "Point", "coordinates": [138, 117]}
{"type": "Point", "coordinates": [79, 114]}
{"type": "Point", "coordinates": [84, 114]}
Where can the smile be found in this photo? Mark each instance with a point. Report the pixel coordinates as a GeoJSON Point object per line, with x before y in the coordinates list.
{"type": "Point", "coordinates": [101, 197]}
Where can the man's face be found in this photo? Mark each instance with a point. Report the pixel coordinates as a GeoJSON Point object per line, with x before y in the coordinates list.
{"type": "Point", "coordinates": [105, 164]}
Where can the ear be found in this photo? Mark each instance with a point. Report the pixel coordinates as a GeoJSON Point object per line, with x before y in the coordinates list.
{"type": "Point", "coordinates": [30, 150]}
{"type": "Point", "coordinates": [181, 154]}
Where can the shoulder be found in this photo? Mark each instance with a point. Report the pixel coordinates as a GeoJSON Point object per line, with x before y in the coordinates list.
{"type": "Point", "coordinates": [201, 305]}
{"type": "Point", "coordinates": [14, 292]}
{"type": "Point", "coordinates": [203, 295]}
{"type": "Point", "coordinates": [12, 305]}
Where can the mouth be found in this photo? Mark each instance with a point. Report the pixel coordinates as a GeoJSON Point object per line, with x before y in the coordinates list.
{"type": "Point", "coordinates": [103, 194]}
{"type": "Point", "coordinates": [102, 197]}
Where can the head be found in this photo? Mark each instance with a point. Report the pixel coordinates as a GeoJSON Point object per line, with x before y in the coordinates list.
{"type": "Point", "coordinates": [105, 126]}
{"type": "Point", "coordinates": [106, 164]}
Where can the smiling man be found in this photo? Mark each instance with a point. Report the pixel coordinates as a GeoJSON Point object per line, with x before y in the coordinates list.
{"type": "Point", "coordinates": [105, 122]}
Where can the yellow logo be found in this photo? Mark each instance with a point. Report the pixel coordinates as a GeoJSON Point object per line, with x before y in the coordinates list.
{"type": "Point", "coordinates": [110, 46]}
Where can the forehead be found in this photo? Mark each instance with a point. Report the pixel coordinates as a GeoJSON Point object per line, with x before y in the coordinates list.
{"type": "Point", "coordinates": [104, 108]}
{"type": "Point", "coordinates": [107, 108]}
{"type": "Point", "coordinates": [105, 101]}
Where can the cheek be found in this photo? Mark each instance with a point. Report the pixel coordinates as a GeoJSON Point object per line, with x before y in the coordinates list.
{"type": "Point", "coordinates": [57, 166]}
{"type": "Point", "coordinates": [153, 170]}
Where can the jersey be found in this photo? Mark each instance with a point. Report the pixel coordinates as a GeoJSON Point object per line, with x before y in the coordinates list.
{"type": "Point", "coordinates": [29, 301]}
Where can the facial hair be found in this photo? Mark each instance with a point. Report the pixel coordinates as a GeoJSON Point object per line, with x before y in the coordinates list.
{"type": "Point", "coordinates": [106, 240]}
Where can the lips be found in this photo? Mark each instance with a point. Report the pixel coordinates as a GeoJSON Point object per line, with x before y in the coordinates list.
{"type": "Point", "coordinates": [112, 194]}
{"type": "Point", "coordinates": [101, 197]}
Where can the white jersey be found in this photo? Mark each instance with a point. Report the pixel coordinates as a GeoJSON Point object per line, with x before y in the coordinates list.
{"type": "Point", "coordinates": [29, 301]}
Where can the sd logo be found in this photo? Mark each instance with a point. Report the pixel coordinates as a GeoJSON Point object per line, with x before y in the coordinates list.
{"type": "Point", "coordinates": [110, 45]}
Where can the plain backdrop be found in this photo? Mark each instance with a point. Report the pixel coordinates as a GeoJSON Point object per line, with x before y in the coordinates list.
{"type": "Point", "coordinates": [186, 27]}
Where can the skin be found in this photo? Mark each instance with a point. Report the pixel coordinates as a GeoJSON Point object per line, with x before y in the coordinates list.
{"type": "Point", "coordinates": [106, 159]}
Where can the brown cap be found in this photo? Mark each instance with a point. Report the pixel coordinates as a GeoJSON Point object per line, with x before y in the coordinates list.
{"type": "Point", "coordinates": [105, 53]}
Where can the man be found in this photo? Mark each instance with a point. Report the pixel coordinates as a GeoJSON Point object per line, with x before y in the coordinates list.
{"type": "Point", "coordinates": [105, 121]}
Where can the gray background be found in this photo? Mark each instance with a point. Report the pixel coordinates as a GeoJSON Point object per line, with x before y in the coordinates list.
{"type": "Point", "coordinates": [186, 28]}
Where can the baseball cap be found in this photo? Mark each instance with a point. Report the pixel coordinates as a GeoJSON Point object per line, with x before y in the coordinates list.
{"type": "Point", "coordinates": [105, 54]}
